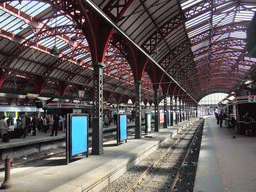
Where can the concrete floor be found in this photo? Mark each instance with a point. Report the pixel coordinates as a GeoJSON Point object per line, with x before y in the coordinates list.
{"type": "Point", "coordinates": [53, 174]}
{"type": "Point", "coordinates": [235, 160]}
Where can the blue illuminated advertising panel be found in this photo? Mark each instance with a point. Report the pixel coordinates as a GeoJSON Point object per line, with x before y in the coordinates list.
{"type": "Point", "coordinates": [170, 123]}
{"type": "Point", "coordinates": [79, 134]}
{"type": "Point", "coordinates": [123, 127]}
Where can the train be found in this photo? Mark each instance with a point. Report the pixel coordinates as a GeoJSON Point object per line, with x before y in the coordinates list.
{"type": "Point", "coordinates": [51, 108]}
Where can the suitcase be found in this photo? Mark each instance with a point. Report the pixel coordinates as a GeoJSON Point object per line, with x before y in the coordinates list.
{"type": "Point", "coordinates": [5, 137]}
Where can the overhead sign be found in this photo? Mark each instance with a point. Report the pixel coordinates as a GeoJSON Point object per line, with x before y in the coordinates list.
{"type": "Point", "coordinates": [81, 93]}
{"type": "Point", "coordinates": [84, 94]}
{"type": "Point", "coordinates": [252, 98]}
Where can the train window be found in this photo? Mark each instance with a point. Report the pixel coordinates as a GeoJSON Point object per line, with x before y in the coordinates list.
{"type": "Point", "coordinates": [10, 113]}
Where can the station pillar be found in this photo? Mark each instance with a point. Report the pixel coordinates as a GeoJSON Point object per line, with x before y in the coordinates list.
{"type": "Point", "coordinates": [138, 110]}
{"type": "Point", "coordinates": [157, 122]}
{"type": "Point", "coordinates": [97, 129]}
{"type": "Point", "coordinates": [165, 112]}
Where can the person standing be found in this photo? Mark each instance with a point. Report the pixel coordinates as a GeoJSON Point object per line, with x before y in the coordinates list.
{"type": "Point", "coordinates": [60, 123]}
{"type": "Point", "coordinates": [23, 125]}
{"type": "Point", "coordinates": [50, 123]}
{"type": "Point", "coordinates": [10, 122]}
{"type": "Point", "coordinates": [247, 120]}
{"type": "Point", "coordinates": [3, 126]}
{"type": "Point", "coordinates": [28, 124]}
{"type": "Point", "coordinates": [115, 118]}
{"type": "Point", "coordinates": [55, 126]}
{"type": "Point", "coordinates": [34, 124]}
{"type": "Point", "coordinates": [221, 117]}
{"type": "Point", "coordinates": [45, 124]}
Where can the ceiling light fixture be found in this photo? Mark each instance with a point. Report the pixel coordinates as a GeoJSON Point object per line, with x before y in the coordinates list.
{"type": "Point", "coordinates": [55, 50]}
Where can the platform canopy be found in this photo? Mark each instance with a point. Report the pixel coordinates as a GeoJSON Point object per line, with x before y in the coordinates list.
{"type": "Point", "coordinates": [184, 48]}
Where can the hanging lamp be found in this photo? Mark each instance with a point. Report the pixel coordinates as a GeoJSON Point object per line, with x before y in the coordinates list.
{"type": "Point", "coordinates": [55, 50]}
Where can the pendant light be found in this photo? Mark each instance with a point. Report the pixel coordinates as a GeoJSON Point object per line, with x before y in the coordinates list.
{"type": "Point", "coordinates": [55, 50]}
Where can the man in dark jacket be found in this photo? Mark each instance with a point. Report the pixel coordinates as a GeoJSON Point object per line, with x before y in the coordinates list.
{"type": "Point", "coordinates": [55, 125]}
{"type": "Point", "coordinates": [34, 124]}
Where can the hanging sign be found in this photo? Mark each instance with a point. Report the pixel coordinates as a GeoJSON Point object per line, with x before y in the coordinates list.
{"type": "Point", "coordinates": [252, 98]}
{"type": "Point", "coordinates": [81, 93]}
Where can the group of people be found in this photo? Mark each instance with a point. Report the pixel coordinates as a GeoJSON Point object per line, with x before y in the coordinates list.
{"type": "Point", "coordinates": [220, 117]}
{"type": "Point", "coordinates": [49, 123]}
{"type": "Point", "coordinates": [246, 127]}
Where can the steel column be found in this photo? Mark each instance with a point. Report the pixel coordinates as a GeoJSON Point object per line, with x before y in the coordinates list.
{"type": "Point", "coordinates": [97, 131]}
{"type": "Point", "coordinates": [157, 122]}
{"type": "Point", "coordinates": [138, 110]}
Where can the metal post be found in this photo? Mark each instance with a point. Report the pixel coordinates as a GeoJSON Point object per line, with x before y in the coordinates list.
{"type": "Point", "coordinates": [138, 110]}
{"type": "Point", "coordinates": [157, 123]}
{"type": "Point", "coordinates": [97, 131]}
{"type": "Point", "coordinates": [7, 181]}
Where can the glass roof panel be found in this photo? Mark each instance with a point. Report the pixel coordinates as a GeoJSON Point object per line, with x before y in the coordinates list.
{"type": "Point", "coordinates": [238, 34]}
{"type": "Point", "coordinates": [189, 3]}
{"type": "Point", "coordinates": [199, 19]}
{"type": "Point", "coordinates": [199, 30]}
{"type": "Point", "coordinates": [244, 16]}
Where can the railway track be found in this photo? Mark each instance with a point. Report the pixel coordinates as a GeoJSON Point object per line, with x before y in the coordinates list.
{"type": "Point", "coordinates": [162, 170]}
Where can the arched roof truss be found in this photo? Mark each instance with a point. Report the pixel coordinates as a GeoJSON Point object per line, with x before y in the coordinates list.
{"type": "Point", "coordinates": [199, 47]}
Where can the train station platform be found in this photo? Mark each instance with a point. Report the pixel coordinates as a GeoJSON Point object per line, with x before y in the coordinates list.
{"type": "Point", "coordinates": [18, 147]}
{"type": "Point", "coordinates": [225, 164]}
{"type": "Point", "coordinates": [84, 174]}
